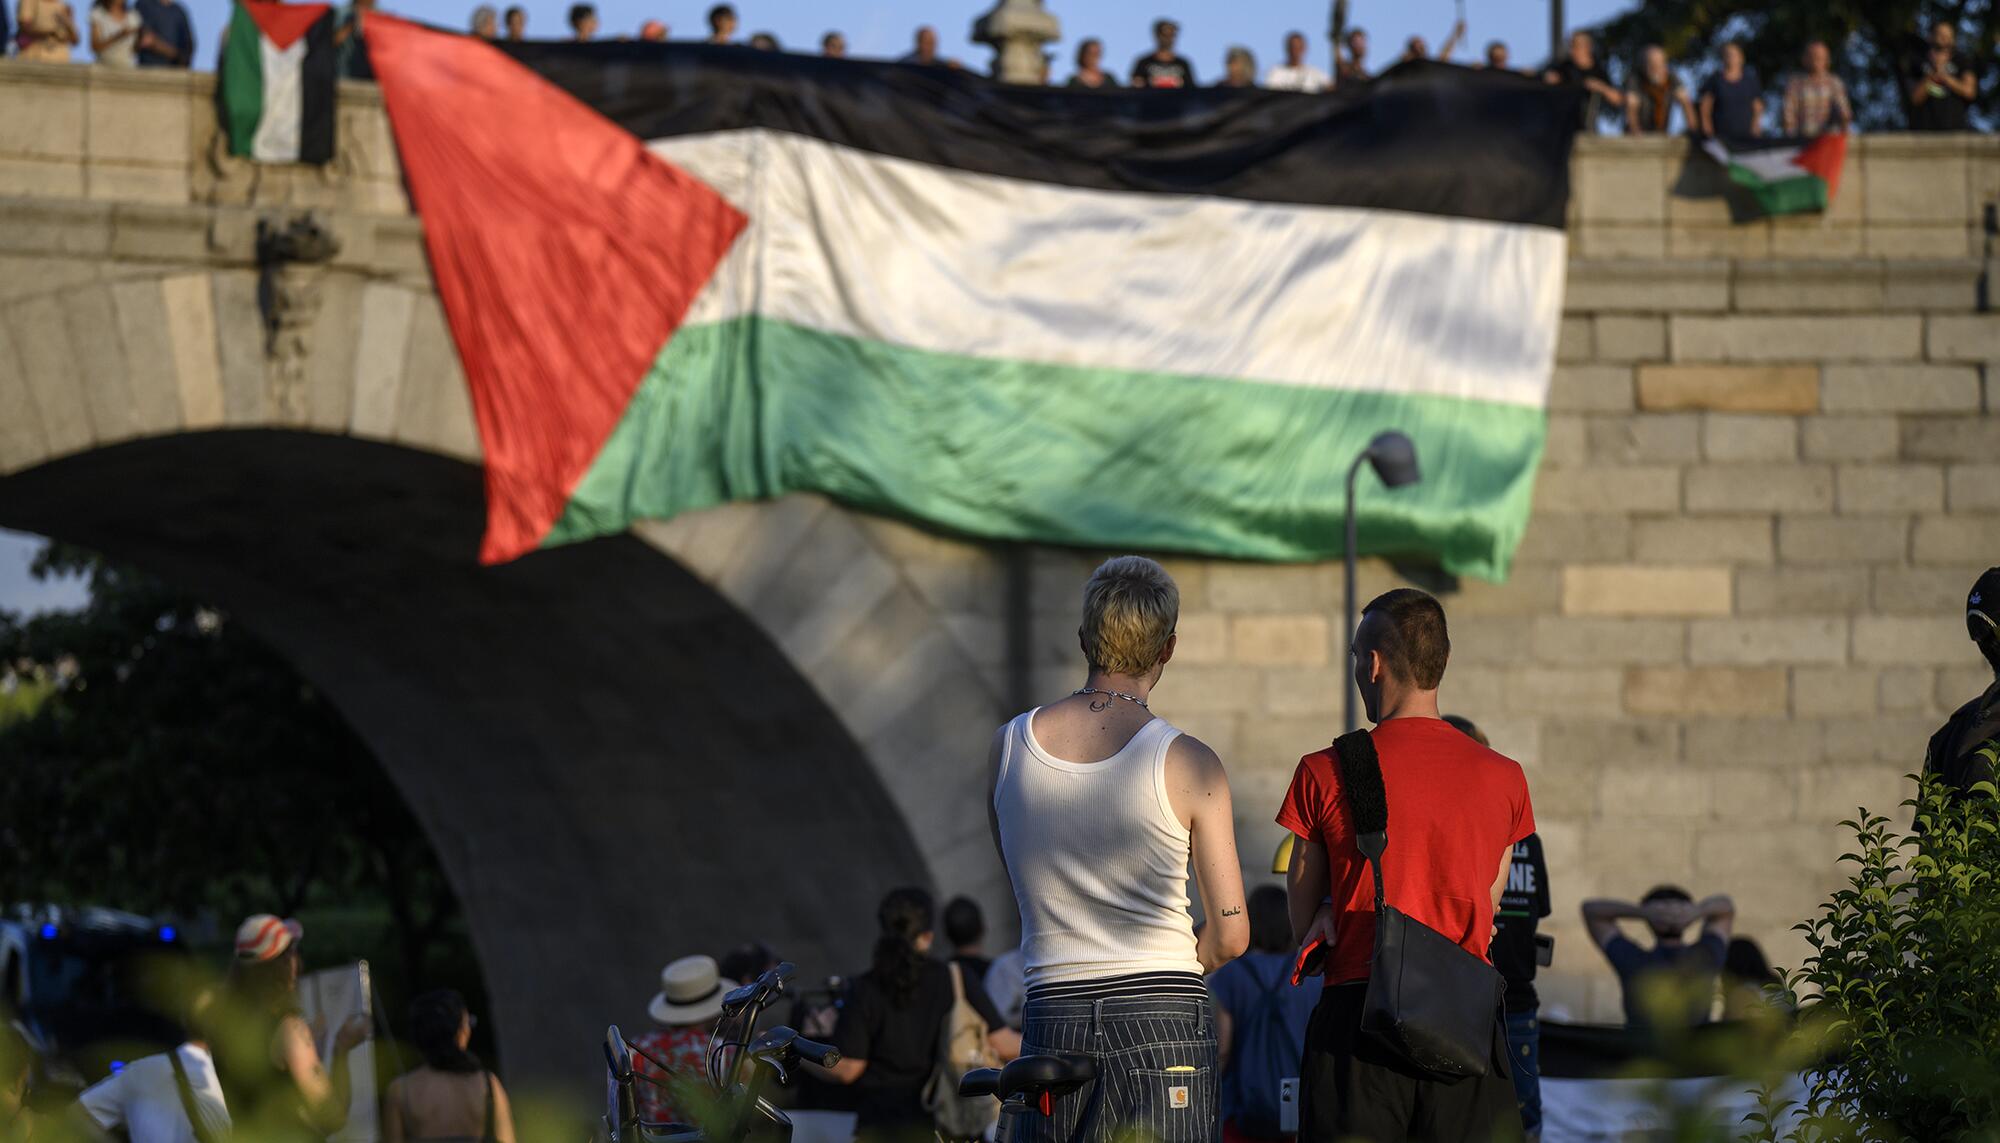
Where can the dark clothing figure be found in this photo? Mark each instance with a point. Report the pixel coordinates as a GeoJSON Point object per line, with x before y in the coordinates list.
{"type": "Point", "coordinates": [1350, 1089]}
{"type": "Point", "coordinates": [168, 22]}
{"type": "Point", "coordinates": [350, 53]}
{"type": "Point", "coordinates": [1942, 109]}
{"type": "Point", "coordinates": [1522, 906]}
{"type": "Point", "coordinates": [1150, 70]}
{"type": "Point", "coordinates": [1966, 749]}
{"type": "Point", "coordinates": [1735, 103]}
{"type": "Point", "coordinates": [1963, 751]}
{"type": "Point", "coordinates": [898, 1036]}
{"type": "Point", "coordinates": [1570, 74]}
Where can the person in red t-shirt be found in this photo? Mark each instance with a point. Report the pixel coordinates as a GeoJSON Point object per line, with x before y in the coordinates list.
{"type": "Point", "coordinates": [1456, 809]}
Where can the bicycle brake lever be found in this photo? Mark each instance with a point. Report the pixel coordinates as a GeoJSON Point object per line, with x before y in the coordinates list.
{"type": "Point", "coordinates": [777, 1065]}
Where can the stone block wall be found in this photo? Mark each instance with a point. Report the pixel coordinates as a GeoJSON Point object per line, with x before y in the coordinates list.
{"type": "Point", "coordinates": [1772, 473]}
{"type": "Point", "coordinates": [1772, 470]}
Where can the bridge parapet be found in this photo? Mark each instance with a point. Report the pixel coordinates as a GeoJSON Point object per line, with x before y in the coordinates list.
{"type": "Point", "coordinates": [1772, 469]}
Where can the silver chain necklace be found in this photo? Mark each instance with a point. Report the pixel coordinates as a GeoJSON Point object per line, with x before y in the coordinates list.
{"type": "Point", "coordinates": [1109, 694]}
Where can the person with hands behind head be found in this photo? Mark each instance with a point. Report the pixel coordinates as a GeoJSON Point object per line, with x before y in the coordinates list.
{"type": "Point", "coordinates": [1691, 969]}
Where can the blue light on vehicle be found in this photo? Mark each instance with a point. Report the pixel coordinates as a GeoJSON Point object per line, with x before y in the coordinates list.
{"type": "Point", "coordinates": [49, 931]}
{"type": "Point", "coordinates": [117, 1066]}
{"type": "Point", "coordinates": [168, 933]}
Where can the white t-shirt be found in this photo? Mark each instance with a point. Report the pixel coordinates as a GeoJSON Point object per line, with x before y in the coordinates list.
{"type": "Point", "coordinates": [123, 53]}
{"type": "Point", "coordinates": [144, 1099]}
{"type": "Point", "coordinates": [1304, 77]}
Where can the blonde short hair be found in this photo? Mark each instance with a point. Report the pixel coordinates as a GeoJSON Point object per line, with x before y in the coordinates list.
{"type": "Point", "coordinates": [1130, 607]}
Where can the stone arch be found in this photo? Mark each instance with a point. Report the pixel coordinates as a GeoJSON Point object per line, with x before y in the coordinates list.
{"type": "Point", "coordinates": [326, 490]}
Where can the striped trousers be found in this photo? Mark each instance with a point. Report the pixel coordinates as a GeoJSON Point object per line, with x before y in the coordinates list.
{"type": "Point", "coordinates": [1156, 1073]}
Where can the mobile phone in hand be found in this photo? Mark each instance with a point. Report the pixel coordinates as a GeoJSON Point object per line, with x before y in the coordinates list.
{"type": "Point", "coordinates": [1311, 959]}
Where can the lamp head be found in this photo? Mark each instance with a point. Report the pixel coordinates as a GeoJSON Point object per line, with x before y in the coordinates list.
{"type": "Point", "coordinates": [1393, 456]}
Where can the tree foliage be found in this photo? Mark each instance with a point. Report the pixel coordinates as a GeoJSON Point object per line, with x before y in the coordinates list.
{"type": "Point", "coordinates": [1906, 957]}
{"type": "Point", "coordinates": [1872, 42]}
{"type": "Point", "coordinates": [174, 764]}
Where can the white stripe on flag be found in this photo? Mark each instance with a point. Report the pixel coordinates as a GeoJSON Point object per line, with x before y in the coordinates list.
{"type": "Point", "coordinates": [1776, 165]}
{"type": "Point", "coordinates": [277, 138]}
{"type": "Point", "coordinates": [896, 251]}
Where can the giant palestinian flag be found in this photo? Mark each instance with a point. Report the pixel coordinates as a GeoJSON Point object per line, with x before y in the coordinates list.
{"type": "Point", "coordinates": [680, 275]}
{"type": "Point", "coordinates": [277, 81]}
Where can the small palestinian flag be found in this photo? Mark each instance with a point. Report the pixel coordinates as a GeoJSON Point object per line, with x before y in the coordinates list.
{"type": "Point", "coordinates": [1784, 176]}
{"type": "Point", "coordinates": [277, 79]}
{"type": "Point", "coordinates": [681, 275]}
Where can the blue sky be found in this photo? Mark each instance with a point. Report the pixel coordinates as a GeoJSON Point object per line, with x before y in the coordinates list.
{"type": "Point", "coordinates": [885, 27]}
{"type": "Point", "coordinates": [21, 592]}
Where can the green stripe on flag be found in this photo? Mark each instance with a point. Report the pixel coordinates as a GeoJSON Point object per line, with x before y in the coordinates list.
{"type": "Point", "coordinates": [1782, 196]}
{"type": "Point", "coordinates": [242, 80]}
{"type": "Point", "coordinates": [753, 407]}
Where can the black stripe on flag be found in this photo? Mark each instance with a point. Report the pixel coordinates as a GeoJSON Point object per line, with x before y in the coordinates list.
{"type": "Point", "coordinates": [319, 90]}
{"type": "Point", "coordinates": [1426, 138]}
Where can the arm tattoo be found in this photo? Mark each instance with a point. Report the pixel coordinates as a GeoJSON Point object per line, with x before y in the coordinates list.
{"type": "Point", "coordinates": [1232, 912]}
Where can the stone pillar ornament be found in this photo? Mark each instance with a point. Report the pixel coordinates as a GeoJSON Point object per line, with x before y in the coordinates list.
{"type": "Point", "coordinates": [1016, 30]}
{"type": "Point", "coordinates": [291, 262]}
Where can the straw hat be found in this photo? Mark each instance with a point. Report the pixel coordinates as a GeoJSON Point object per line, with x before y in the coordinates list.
{"type": "Point", "coordinates": [691, 991]}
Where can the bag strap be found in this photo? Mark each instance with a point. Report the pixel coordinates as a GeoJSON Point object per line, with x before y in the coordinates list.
{"type": "Point", "coordinates": [1367, 801]}
{"type": "Point", "coordinates": [951, 1014]}
{"type": "Point", "coordinates": [195, 1121]}
{"type": "Point", "coordinates": [486, 1132]}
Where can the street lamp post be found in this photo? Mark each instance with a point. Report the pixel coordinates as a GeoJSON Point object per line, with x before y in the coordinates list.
{"type": "Point", "coordinates": [1393, 456]}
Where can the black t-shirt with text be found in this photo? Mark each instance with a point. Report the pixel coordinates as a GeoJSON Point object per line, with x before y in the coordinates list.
{"type": "Point", "coordinates": [1525, 902]}
{"type": "Point", "coordinates": [1150, 70]}
{"type": "Point", "coordinates": [900, 1041]}
{"type": "Point", "coordinates": [1943, 110]}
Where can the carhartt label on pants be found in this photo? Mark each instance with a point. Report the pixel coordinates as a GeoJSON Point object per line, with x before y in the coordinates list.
{"type": "Point", "coordinates": [1177, 1097]}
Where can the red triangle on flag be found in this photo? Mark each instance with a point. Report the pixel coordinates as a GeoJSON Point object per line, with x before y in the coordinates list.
{"type": "Point", "coordinates": [1824, 156]}
{"type": "Point", "coordinates": [565, 253]}
{"type": "Point", "coordinates": [283, 24]}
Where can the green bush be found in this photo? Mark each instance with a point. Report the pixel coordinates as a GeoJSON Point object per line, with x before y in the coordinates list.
{"type": "Point", "coordinates": [1906, 964]}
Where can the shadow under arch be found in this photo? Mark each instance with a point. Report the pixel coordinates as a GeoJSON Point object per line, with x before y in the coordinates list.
{"type": "Point", "coordinates": [615, 766]}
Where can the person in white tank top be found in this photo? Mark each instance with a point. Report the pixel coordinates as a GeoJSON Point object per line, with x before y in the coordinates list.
{"type": "Point", "coordinates": [1098, 808]}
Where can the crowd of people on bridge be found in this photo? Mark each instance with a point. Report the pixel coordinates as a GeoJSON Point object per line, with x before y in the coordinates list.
{"type": "Point", "coordinates": [1732, 102]}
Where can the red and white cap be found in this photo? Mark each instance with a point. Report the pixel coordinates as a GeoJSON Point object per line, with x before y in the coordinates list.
{"type": "Point", "coordinates": [265, 936]}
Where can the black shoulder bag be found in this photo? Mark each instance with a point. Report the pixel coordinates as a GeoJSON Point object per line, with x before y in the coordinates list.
{"type": "Point", "coordinates": [1430, 1003]}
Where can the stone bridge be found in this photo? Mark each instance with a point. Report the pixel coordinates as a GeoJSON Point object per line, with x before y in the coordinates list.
{"type": "Point", "coordinates": [1773, 469]}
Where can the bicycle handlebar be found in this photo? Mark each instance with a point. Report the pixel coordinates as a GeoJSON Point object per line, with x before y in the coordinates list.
{"type": "Point", "coordinates": [760, 991]}
{"type": "Point", "coordinates": [616, 1057]}
{"type": "Point", "coordinates": [814, 1052]}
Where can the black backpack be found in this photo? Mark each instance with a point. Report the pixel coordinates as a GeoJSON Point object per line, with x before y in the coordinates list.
{"type": "Point", "coordinates": [1430, 1003]}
